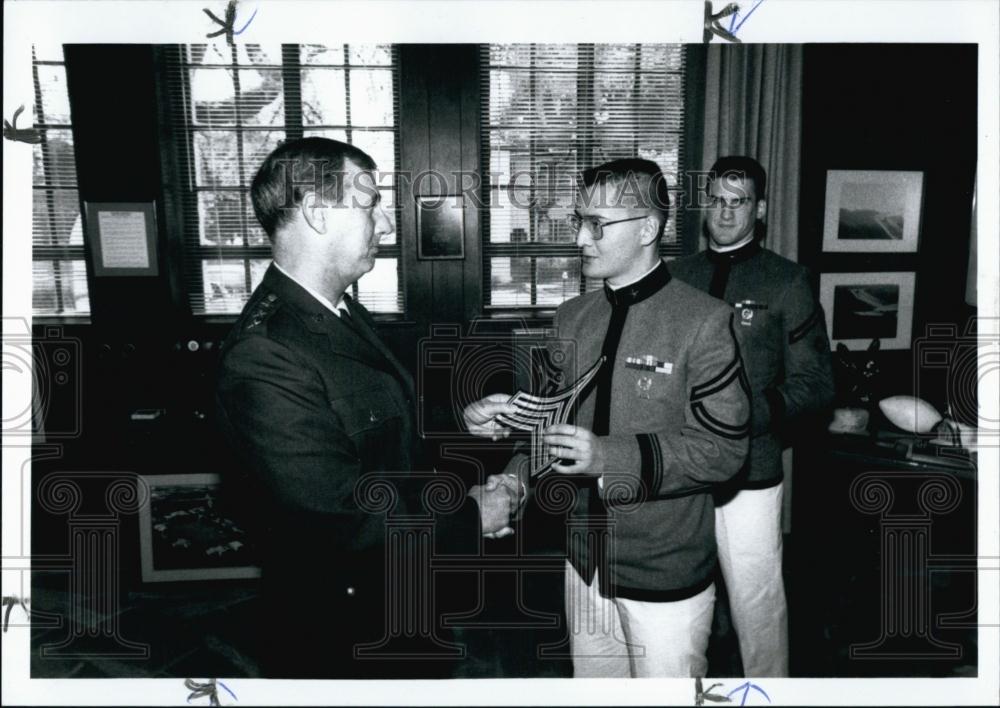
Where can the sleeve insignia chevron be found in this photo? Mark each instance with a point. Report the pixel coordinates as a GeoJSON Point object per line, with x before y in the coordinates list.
{"type": "Point", "coordinates": [732, 372]}
{"type": "Point", "coordinates": [800, 331]}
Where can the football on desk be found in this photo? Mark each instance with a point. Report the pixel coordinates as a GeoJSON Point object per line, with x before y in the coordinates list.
{"type": "Point", "coordinates": [916, 431]}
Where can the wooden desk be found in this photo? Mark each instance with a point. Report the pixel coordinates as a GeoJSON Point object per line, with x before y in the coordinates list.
{"type": "Point", "coordinates": [882, 558]}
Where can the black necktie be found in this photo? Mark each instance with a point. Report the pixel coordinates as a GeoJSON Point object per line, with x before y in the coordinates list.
{"type": "Point", "coordinates": [720, 277]}
{"type": "Point", "coordinates": [349, 322]}
{"type": "Point", "coordinates": [595, 538]}
{"type": "Point", "coordinates": [602, 409]}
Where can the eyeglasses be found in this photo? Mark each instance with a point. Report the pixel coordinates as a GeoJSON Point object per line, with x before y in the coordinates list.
{"type": "Point", "coordinates": [576, 222]}
{"type": "Point", "coordinates": [730, 203]}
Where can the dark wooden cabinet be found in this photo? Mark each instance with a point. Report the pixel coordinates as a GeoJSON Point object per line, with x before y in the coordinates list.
{"type": "Point", "coordinates": [882, 559]}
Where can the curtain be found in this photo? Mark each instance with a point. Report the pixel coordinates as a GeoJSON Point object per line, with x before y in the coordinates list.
{"type": "Point", "coordinates": [753, 106]}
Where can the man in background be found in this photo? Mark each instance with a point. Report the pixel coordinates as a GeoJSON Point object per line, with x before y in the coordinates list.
{"type": "Point", "coordinates": [318, 406]}
{"type": "Point", "coordinates": [666, 421]}
{"type": "Point", "coordinates": [782, 336]}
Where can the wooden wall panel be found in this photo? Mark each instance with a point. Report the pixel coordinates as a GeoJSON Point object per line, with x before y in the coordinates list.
{"type": "Point", "coordinates": [439, 106]}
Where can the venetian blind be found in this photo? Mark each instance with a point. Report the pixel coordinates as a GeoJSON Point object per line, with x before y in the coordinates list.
{"type": "Point", "coordinates": [228, 108]}
{"type": "Point", "coordinates": [59, 271]}
{"type": "Point", "coordinates": [550, 111]}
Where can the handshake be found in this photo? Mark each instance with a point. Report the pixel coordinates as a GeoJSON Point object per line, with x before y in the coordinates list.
{"type": "Point", "coordinates": [502, 495]}
{"type": "Point", "coordinates": [576, 451]}
{"type": "Point", "coordinates": [499, 500]}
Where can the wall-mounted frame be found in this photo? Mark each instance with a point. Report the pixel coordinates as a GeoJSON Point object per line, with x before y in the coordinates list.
{"type": "Point", "coordinates": [862, 306]}
{"type": "Point", "coordinates": [872, 211]}
{"type": "Point", "coordinates": [184, 536]}
{"type": "Point", "coordinates": [440, 227]}
{"type": "Point", "coordinates": [122, 238]}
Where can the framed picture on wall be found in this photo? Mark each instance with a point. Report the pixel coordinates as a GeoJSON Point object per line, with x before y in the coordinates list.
{"type": "Point", "coordinates": [184, 535]}
{"type": "Point", "coordinates": [862, 306]}
{"type": "Point", "coordinates": [871, 211]}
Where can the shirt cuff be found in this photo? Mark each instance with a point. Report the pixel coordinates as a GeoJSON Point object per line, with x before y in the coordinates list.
{"type": "Point", "coordinates": [514, 476]}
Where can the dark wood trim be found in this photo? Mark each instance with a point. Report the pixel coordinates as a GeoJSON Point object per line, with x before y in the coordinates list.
{"type": "Point", "coordinates": [414, 158]}
{"type": "Point", "coordinates": [444, 94]}
{"type": "Point", "coordinates": [172, 176]}
{"type": "Point", "coordinates": [471, 119]}
{"type": "Point", "coordinates": [291, 86]}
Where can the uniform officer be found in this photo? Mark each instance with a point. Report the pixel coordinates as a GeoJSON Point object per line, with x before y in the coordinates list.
{"type": "Point", "coordinates": [783, 339]}
{"type": "Point", "coordinates": [317, 405]}
{"type": "Point", "coordinates": [667, 420]}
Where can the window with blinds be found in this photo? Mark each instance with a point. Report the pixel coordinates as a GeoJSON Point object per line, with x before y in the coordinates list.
{"type": "Point", "coordinates": [58, 269]}
{"type": "Point", "coordinates": [550, 111]}
{"type": "Point", "coordinates": [233, 105]}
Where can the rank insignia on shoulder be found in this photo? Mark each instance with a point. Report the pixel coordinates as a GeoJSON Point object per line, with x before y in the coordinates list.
{"type": "Point", "coordinates": [262, 310]}
{"type": "Point", "coordinates": [649, 363]}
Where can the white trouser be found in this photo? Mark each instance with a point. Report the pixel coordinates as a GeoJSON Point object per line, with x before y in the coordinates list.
{"type": "Point", "coordinates": [748, 533]}
{"type": "Point", "coordinates": [623, 638]}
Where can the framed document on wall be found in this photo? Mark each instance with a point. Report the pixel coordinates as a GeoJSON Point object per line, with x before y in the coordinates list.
{"type": "Point", "coordinates": [122, 238]}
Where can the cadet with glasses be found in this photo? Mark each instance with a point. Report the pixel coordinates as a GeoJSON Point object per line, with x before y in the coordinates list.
{"type": "Point", "coordinates": [666, 421]}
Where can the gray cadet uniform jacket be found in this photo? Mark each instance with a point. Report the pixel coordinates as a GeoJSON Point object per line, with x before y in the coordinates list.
{"type": "Point", "coordinates": [782, 335]}
{"type": "Point", "coordinates": [677, 421]}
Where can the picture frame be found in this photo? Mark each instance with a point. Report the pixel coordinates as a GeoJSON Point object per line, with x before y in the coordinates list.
{"type": "Point", "coordinates": [183, 535]}
{"type": "Point", "coordinates": [872, 211]}
{"type": "Point", "coordinates": [122, 238]}
{"type": "Point", "coordinates": [862, 306]}
{"type": "Point", "coordinates": [440, 227]}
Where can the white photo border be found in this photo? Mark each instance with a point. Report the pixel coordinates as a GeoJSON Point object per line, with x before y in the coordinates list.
{"type": "Point", "coordinates": [445, 21]}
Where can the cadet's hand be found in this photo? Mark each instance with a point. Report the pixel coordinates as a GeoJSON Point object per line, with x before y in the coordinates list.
{"type": "Point", "coordinates": [480, 417]}
{"type": "Point", "coordinates": [571, 442]}
{"type": "Point", "coordinates": [494, 510]}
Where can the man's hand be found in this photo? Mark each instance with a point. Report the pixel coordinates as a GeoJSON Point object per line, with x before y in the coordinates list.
{"type": "Point", "coordinates": [495, 507]}
{"type": "Point", "coordinates": [509, 481]}
{"type": "Point", "coordinates": [571, 442]}
{"type": "Point", "coordinates": [480, 417]}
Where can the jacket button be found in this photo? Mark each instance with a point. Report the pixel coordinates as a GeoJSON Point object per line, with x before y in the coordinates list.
{"type": "Point", "coordinates": [350, 591]}
{"type": "Point", "coordinates": [372, 417]}
{"type": "Point", "coordinates": [318, 318]}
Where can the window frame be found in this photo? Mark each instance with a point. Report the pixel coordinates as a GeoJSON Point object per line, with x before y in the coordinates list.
{"type": "Point", "coordinates": [53, 252]}
{"type": "Point", "coordinates": [175, 60]}
{"type": "Point", "coordinates": [535, 249]}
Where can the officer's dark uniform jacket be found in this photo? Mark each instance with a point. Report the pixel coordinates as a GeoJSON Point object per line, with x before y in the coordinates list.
{"type": "Point", "coordinates": [782, 335]}
{"type": "Point", "coordinates": [677, 420]}
{"type": "Point", "coordinates": [315, 404]}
